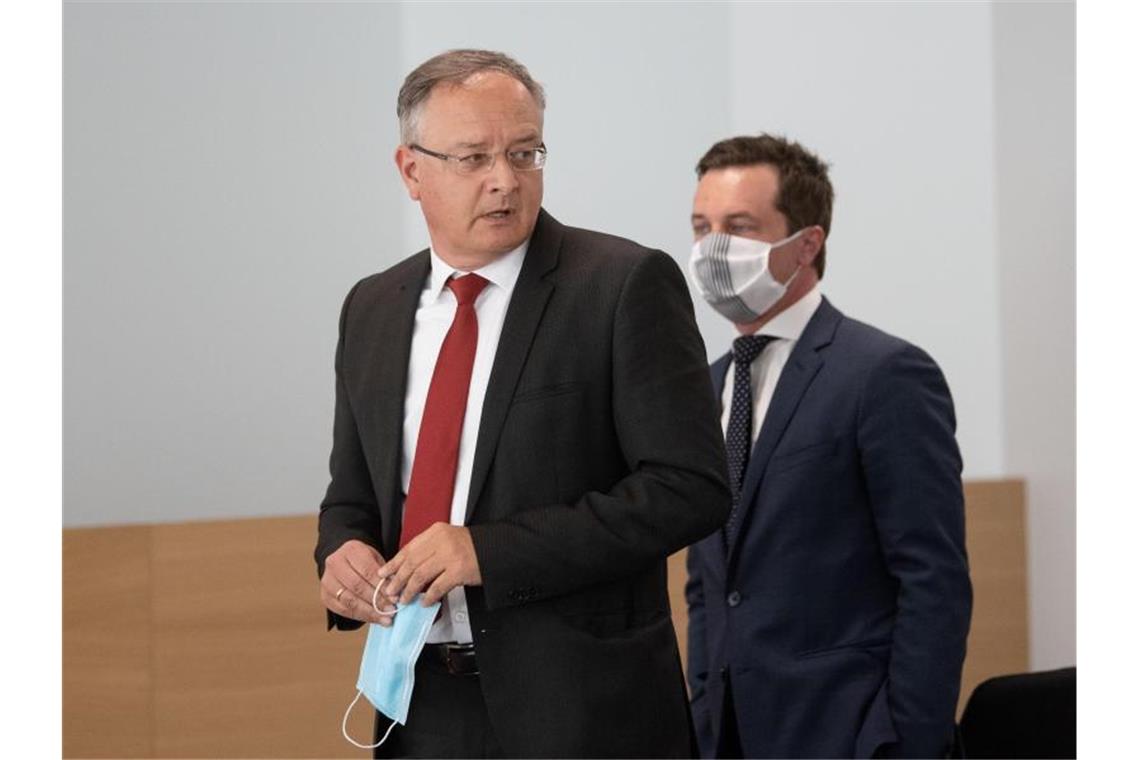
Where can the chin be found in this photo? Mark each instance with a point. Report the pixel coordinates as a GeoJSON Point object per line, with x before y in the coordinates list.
{"type": "Point", "coordinates": [506, 240]}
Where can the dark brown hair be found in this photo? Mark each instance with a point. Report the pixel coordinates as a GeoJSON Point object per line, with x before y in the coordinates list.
{"type": "Point", "coordinates": [805, 194]}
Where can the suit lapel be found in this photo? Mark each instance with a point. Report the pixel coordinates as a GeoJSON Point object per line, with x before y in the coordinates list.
{"type": "Point", "coordinates": [395, 321]}
{"type": "Point", "coordinates": [802, 367]}
{"type": "Point", "coordinates": [528, 301]}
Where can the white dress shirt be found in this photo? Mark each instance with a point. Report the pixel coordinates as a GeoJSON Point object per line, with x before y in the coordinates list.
{"type": "Point", "coordinates": [433, 319]}
{"type": "Point", "coordinates": [787, 326]}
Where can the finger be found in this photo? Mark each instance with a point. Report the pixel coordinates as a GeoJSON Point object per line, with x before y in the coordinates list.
{"type": "Point", "coordinates": [381, 603]}
{"type": "Point", "coordinates": [392, 566]}
{"type": "Point", "coordinates": [349, 606]}
{"type": "Point", "coordinates": [345, 581]}
{"type": "Point", "coordinates": [340, 574]}
{"type": "Point", "coordinates": [385, 615]}
{"type": "Point", "coordinates": [421, 578]}
{"type": "Point", "coordinates": [351, 598]}
{"type": "Point", "coordinates": [391, 589]}
{"type": "Point", "coordinates": [398, 583]}
{"type": "Point", "coordinates": [393, 563]}
{"type": "Point", "coordinates": [331, 587]}
{"type": "Point", "coordinates": [409, 551]}
{"type": "Point", "coordinates": [365, 562]}
{"type": "Point", "coordinates": [388, 593]}
{"type": "Point", "coordinates": [443, 583]}
{"type": "Point", "coordinates": [398, 578]}
{"type": "Point", "coordinates": [380, 609]}
{"type": "Point", "coordinates": [357, 555]}
{"type": "Point", "coordinates": [342, 590]}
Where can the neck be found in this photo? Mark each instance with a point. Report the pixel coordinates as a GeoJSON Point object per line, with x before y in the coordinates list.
{"type": "Point", "coordinates": [469, 262]}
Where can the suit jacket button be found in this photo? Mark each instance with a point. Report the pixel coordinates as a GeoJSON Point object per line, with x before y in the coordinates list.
{"type": "Point", "coordinates": [734, 599]}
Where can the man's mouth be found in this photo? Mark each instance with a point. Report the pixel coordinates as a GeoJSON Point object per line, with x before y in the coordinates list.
{"type": "Point", "coordinates": [501, 214]}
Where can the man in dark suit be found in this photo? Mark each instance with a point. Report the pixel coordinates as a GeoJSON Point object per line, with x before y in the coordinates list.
{"type": "Point", "coordinates": [525, 429]}
{"type": "Point", "coordinates": [829, 617]}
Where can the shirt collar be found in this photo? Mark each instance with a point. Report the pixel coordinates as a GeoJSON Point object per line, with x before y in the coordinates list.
{"type": "Point", "coordinates": [503, 271]}
{"type": "Point", "coordinates": [791, 322]}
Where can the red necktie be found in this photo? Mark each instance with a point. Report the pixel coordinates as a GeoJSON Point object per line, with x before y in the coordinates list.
{"type": "Point", "coordinates": [437, 448]}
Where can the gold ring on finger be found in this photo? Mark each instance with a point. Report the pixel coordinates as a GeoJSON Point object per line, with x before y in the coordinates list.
{"type": "Point", "coordinates": [338, 593]}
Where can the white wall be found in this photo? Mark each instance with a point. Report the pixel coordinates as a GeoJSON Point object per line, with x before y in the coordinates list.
{"type": "Point", "coordinates": [223, 172]}
{"type": "Point", "coordinates": [635, 94]}
{"type": "Point", "coordinates": [897, 97]}
{"type": "Point", "coordinates": [1034, 96]}
{"type": "Point", "coordinates": [228, 176]}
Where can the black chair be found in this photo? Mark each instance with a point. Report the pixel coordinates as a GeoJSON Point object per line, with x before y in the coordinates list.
{"type": "Point", "coordinates": [1023, 715]}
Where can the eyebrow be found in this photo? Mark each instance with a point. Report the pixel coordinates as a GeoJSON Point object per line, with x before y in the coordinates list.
{"type": "Point", "coordinates": [482, 144]}
{"type": "Point", "coordinates": [735, 216]}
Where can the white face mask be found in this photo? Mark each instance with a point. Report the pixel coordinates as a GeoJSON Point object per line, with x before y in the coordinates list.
{"type": "Point", "coordinates": [732, 275]}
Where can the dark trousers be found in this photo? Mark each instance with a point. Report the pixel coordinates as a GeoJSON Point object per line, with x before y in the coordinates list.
{"type": "Point", "coordinates": [447, 718]}
{"type": "Point", "coordinates": [728, 747]}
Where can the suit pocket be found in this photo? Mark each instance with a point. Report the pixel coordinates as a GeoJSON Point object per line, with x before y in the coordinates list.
{"type": "Point", "coordinates": [540, 443]}
{"type": "Point", "coordinates": [800, 455]}
{"type": "Point", "coordinates": [621, 624]}
{"type": "Point", "coordinates": [547, 391]}
{"type": "Point", "coordinates": [874, 647]}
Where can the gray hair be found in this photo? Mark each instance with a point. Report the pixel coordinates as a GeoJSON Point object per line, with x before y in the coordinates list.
{"type": "Point", "coordinates": [455, 67]}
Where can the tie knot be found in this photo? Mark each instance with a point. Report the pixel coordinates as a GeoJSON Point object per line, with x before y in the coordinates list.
{"type": "Point", "coordinates": [467, 288]}
{"type": "Point", "coordinates": [748, 347]}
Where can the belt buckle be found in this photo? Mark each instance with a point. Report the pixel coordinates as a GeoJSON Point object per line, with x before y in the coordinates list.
{"type": "Point", "coordinates": [454, 652]}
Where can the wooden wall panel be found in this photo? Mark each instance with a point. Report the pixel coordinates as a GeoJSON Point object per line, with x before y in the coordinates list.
{"type": "Point", "coordinates": [243, 666]}
{"type": "Point", "coordinates": [208, 640]}
{"type": "Point", "coordinates": [995, 540]}
{"type": "Point", "coordinates": [106, 643]}
{"type": "Point", "coordinates": [677, 576]}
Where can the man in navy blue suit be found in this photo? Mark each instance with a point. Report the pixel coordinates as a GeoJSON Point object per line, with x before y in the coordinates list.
{"type": "Point", "coordinates": [829, 617]}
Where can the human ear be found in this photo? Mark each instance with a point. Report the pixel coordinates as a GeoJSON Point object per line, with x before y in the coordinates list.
{"type": "Point", "coordinates": [811, 243]}
{"type": "Point", "coordinates": [409, 170]}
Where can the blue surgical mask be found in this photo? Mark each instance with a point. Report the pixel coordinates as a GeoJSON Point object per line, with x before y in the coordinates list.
{"type": "Point", "coordinates": [387, 668]}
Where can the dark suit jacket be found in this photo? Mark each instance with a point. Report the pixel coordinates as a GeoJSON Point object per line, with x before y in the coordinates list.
{"type": "Point", "coordinates": [841, 610]}
{"type": "Point", "coordinates": [598, 455]}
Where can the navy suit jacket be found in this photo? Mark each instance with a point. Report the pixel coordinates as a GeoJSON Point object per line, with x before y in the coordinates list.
{"type": "Point", "coordinates": [841, 610]}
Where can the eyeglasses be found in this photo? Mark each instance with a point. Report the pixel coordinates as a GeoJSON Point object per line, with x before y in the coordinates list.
{"type": "Point", "coordinates": [520, 159]}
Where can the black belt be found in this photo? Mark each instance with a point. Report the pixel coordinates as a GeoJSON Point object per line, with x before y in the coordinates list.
{"type": "Point", "coordinates": [459, 659]}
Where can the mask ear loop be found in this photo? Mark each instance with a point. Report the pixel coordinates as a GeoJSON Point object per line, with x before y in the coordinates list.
{"type": "Point", "coordinates": [344, 722]}
{"type": "Point", "coordinates": [375, 592]}
{"type": "Point", "coordinates": [344, 727]}
{"type": "Point", "coordinates": [784, 242]}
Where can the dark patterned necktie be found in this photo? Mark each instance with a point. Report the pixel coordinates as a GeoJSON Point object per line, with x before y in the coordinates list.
{"type": "Point", "coordinates": [738, 437]}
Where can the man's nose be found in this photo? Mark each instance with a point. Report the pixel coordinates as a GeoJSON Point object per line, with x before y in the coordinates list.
{"type": "Point", "coordinates": [502, 178]}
